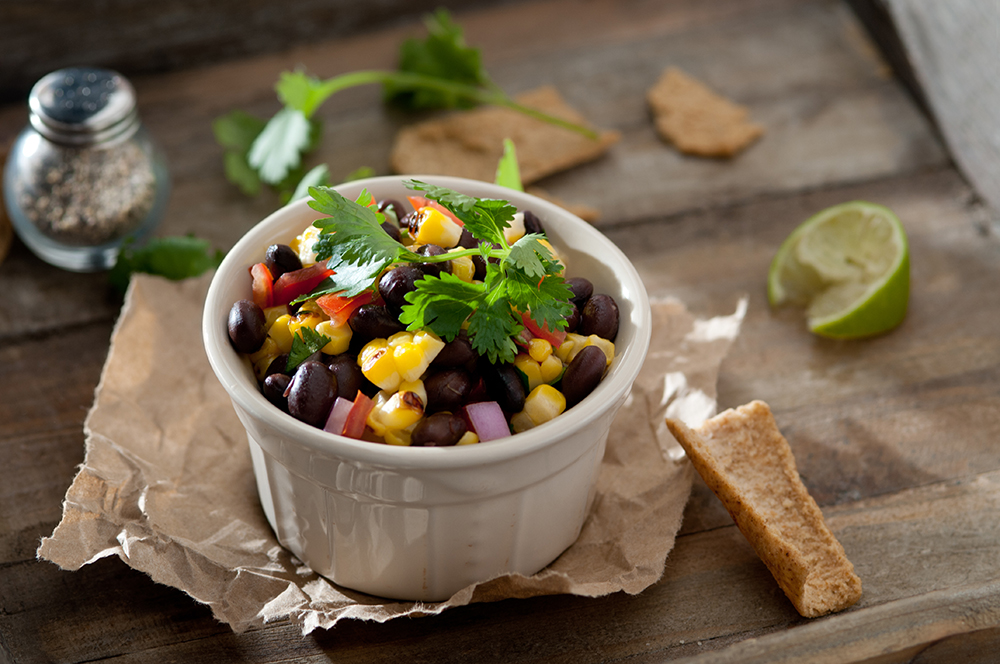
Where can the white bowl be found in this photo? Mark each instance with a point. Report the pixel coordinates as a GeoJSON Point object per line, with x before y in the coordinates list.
{"type": "Point", "coordinates": [422, 523]}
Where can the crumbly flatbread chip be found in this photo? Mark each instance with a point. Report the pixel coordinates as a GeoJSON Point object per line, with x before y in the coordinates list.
{"type": "Point", "coordinates": [470, 143]}
{"type": "Point", "coordinates": [697, 120]}
{"type": "Point", "coordinates": [748, 464]}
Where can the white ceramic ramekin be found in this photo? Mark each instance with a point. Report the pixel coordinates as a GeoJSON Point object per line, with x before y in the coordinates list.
{"type": "Point", "coordinates": [422, 523]}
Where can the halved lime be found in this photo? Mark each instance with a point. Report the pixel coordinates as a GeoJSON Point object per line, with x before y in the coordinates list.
{"type": "Point", "coordinates": [849, 265]}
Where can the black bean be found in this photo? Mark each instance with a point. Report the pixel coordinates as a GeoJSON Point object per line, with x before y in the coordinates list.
{"type": "Point", "coordinates": [433, 269]}
{"type": "Point", "coordinates": [311, 393]}
{"type": "Point", "coordinates": [280, 258]}
{"type": "Point", "coordinates": [247, 326]}
{"type": "Point", "coordinates": [504, 385]}
{"type": "Point", "coordinates": [447, 389]}
{"type": "Point", "coordinates": [278, 365]}
{"type": "Point", "coordinates": [349, 377]}
{"type": "Point", "coordinates": [466, 241]}
{"type": "Point", "coordinates": [581, 288]}
{"type": "Point", "coordinates": [456, 353]}
{"type": "Point", "coordinates": [573, 320]}
{"type": "Point", "coordinates": [374, 321]}
{"type": "Point", "coordinates": [438, 430]}
{"type": "Point", "coordinates": [479, 263]}
{"type": "Point", "coordinates": [397, 282]}
{"type": "Point", "coordinates": [583, 374]}
{"type": "Point", "coordinates": [600, 317]}
{"type": "Point", "coordinates": [274, 389]}
{"type": "Point", "coordinates": [532, 224]}
{"type": "Point", "coordinates": [391, 230]}
{"type": "Point", "coordinates": [390, 206]}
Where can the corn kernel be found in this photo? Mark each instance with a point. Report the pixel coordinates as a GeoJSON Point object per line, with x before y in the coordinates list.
{"type": "Point", "coordinates": [401, 410]}
{"type": "Point", "coordinates": [400, 437]}
{"type": "Point", "coordinates": [551, 368]}
{"type": "Point", "coordinates": [279, 332]}
{"type": "Point", "coordinates": [539, 349]}
{"type": "Point", "coordinates": [415, 386]}
{"type": "Point", "coordinates": [378, 366]}
{"type": "Point", "coordinates": [272, 314]}
{"type": "Point", "coordinates": [429, 342]}
{"type": "Point", "coordinates": [515, 231]}
{"type": "Point", "coordinates": [521, 422]}
{"type": "Point", "coordinates": [268, 349]}
{"type": "Point", "coordinates": [410, 361]}
{"type": "Point", "coordinates": [463, 268]}
{"type": "Point", "coordinates": [435, 228]}
{"type": "Point", "coordinates": [373, 421]}
{"type": "Point", "coordinates": [572, 345]}
{"type": "Point", "coordinates": [340, 337]}
{"type": "Point", "coordinates": [303, 245]}
{"type": "Point", "coordinates": [468, 438]}
{"type": "Point", "coordinates": [399, 339]}
{"type": "Point", "coordinates": [260, 366]}
{"type": "Point", "coordinates": [544, 403]}
{"type": "Point", "coordinates": [304, 319]}
{"type": "Point", "coordinates": [607, 346]}
{"type": "Point", "coordinates": [530, 369]}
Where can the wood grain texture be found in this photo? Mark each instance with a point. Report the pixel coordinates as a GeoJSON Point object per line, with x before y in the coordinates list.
{"type": "Point", "coordinates": [895, 437]}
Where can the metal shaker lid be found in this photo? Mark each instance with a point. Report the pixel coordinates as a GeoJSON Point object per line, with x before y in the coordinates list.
{"type": "Point", "coordinates": [82, 106]}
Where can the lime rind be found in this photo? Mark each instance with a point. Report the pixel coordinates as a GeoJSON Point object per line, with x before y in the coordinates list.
{"type": "Point", "coordinates": [853, 275]}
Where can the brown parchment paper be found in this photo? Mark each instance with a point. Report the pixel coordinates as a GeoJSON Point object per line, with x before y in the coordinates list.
{"type": "Point", "coordinates": [167, 484]}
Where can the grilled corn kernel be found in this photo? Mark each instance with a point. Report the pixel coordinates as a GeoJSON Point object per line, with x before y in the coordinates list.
{"type": "Point", "coordinates": [373, 421]}
{"type": "Point", "coordinates": [572, 345]}
{"type": "Point", "coordinates": [272, 314]}
{"type": "Point", "coordinates": [530, 369]}
{"type": "Point", "coordinates": [378, 366]}
{"type": "Point", "coordinates": [415, 386]}
{"type": "Point", "coordinates": [399, 339]}
{"type": "Point", "coordinates": [551, 368]}
{"type": "Point", "coordinates": [544, 403]}
{"type": "Point", "coordinates": [261, 365]}
{"type": "Point", "coordinates": [411, 361]}
{"type": "Point", "coordinates": [539, 349]}
{"type": "Point", "coordinates": [515, 231]}
{"type": "Point", "coordinates": [401, 410]}
{"type": "Point", "coordinates": [521, 422]}
{"type": "Point", "coordinates": [468, 438]}
{"type": "Point", "coordinates": [463, 268]}
{"type": "Point", "coordinates": [400, 437]}
{"type": "Point", "coordinates": [435, 228]}
{"type": "Point", "coordinates": [279, 332]}
{"type": "Point", "coordinates": [304, 319]}
{"type": "Point", "coordinates": [340, 337]}
{"type": "Point", "coordinates": [430, 342]}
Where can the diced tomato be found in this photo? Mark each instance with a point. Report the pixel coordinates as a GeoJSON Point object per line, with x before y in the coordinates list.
{"type": "Point", "coordinates": [290, 285]}
{"type": "Point", "coordinates": [553, 337]}
{"type": "Point", "coordinates": [263, 286]}
{"type": "Point", "coordinates": [339, 308]}
{"type": "Point", "coordinates": [355, 425]}
{"type": "Point", "coordinates": [420, 202]}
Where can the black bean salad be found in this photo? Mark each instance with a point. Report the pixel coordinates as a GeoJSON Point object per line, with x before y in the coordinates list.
{"type": "Point", "coordinates": [450, 323]}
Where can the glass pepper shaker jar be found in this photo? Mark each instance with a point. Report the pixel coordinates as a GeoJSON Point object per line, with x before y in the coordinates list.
{"type": "Point", "coordinates": [84, 175]}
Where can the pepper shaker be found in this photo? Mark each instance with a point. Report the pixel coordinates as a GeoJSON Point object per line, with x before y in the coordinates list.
{"type": "Point", "coordinates": [84, 175]}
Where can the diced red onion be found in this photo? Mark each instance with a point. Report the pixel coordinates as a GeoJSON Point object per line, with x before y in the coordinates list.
{"type": "Point", "coordinates": [486, 419]}
{"type": "Point", "coordinates": [338, 416]}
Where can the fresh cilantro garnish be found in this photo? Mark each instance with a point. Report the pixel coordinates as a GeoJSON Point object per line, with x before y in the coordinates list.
{"type": "Point", "coordinates": [438, 72]}
{"type": "Point", "coordinates": [317, 177]}
{"type": "Point", "coordinates": [304, 344]}
{"type": "Point", "coordinates": [508, 174]}
{"type": "Point", "coordinates": [524, 277]}
{"type": "Point", "coordinates": [175, 258]}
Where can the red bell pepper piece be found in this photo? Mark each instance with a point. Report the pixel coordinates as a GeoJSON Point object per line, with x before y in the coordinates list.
{"type": "Point", "coordinates": [290, 285]}
{"type": "Point", "coordinates": [420, 202]}
{"type": "Point", "coordinates": [356, 418]}
{"type": "Point", "coordinates": [553, 337]}
{"type": "Point", "coordinates": [263, 286]}
{"type": "Point", "coordinates": [340, 308]}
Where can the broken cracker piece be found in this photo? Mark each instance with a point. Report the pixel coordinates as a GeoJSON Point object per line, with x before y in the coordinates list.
{"type": "Point", "coordinates": [748, 464]}
{"type": "Point", "coordinates": [469, 143]}
{"type": "Point", "coordinates": [697, 120]}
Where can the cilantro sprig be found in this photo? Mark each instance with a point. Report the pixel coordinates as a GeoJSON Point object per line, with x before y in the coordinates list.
{"type": "Point", "coordinates": [306, 342]}
{"type": "Point", "coordinates": [523, 277]}
{"type": "Point", "coordinates": [440, 71]}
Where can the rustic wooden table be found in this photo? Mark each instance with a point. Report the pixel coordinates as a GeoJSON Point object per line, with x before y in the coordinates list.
{"type": "Point", "coordinates": [896, 437]}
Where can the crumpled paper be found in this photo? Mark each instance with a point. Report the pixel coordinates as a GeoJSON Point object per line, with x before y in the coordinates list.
{"type": "Point", "coordinates": [167, 483]}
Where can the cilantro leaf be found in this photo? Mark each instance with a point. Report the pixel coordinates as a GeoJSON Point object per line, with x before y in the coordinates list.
{"type": "Point", "coordinates": [441, 304]}
{"type": "Point", "coordinates": [280, 145]}
{"type": "Point", "coordinates": [491, 328]}
{"type": "Point", "coordinates": [546, 300]}
{"type": "Point", "coordinates": [443, 55]}
{"type": "Point", "coordinates": [508, 174]}
{"type": "Point", "coordinates": [304, 344]}
{"type": "Point", "coordinates": [301, 92]}
{"type": "Point", "coordinates": [317, 177]}
{"type": "Point", "coordinates": [530, 256]}
{"type": "Point", "coordinates": [236, 133]}
{"type": "Point", "coordinates": [485, 218]}
{"type": "Point", "coordinates": [175, 258]}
